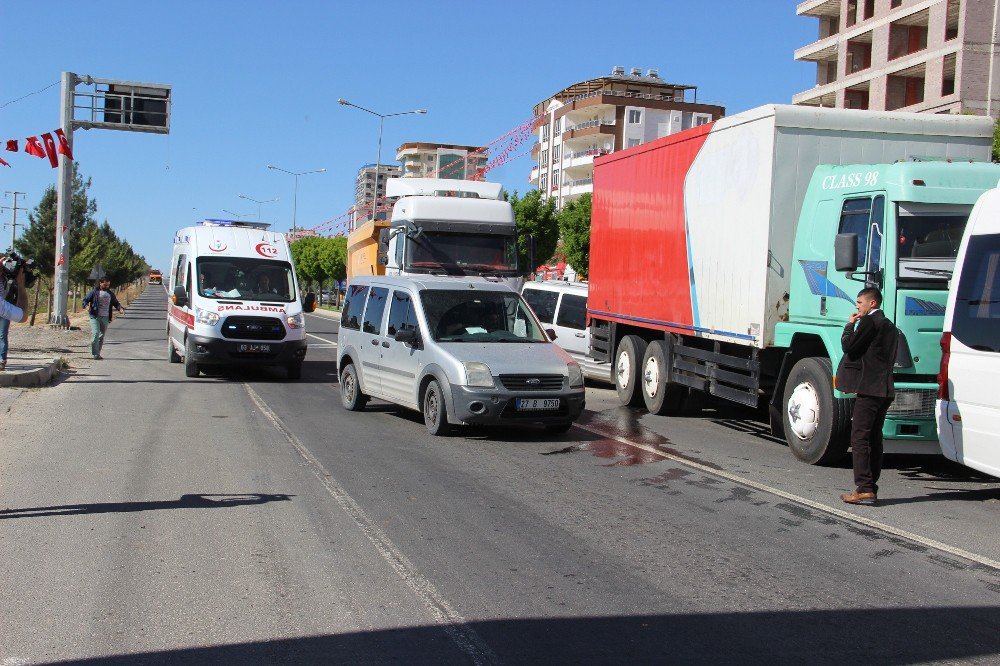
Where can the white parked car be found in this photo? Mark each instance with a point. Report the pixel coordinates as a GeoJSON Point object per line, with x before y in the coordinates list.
{"type": "Point", "coordinates": [562, 306]}
{"type": "Point", "coordinates": [968, 408]}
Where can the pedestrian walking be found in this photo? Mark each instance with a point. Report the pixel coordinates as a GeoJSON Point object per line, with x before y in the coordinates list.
{"type": "Point", "coordinates": [100, 302]}
{"type": "Point", "coordinates": [869, 342]}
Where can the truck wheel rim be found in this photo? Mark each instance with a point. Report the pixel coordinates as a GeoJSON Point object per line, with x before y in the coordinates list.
{"type": "Point", "coordinates": [624, 369]}
{"type": "Point", "coordinates": [804, 412]}
{"type": "Point", "coordinates": [651, 377]}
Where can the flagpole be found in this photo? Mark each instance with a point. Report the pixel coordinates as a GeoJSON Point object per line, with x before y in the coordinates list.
{"type": "Point", "coordinates": [58, 317]}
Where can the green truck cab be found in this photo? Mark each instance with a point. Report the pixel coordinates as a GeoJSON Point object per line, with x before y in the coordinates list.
{"type": "Point", "coordinates": [907, 221]}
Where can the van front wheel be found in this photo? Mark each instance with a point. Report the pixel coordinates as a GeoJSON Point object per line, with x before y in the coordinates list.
{"type": "Point", "coordinates": [350, 390]}
{"type": "Point", "coordinates": [190, 366]}
{"type": "Point", "coordinates": [435, 414]}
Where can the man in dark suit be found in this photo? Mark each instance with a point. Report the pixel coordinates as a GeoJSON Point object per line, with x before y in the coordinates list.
{"type": "Point", "coordinates": [869, 343]}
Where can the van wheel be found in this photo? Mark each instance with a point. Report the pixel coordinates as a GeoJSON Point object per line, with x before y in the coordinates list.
{"type": "Point", "coordinates": [294, 370]}
{"type": "Point", "coordinates": [351, 396]}
{"type": "Point", "coordinates": [817, 425]}
{"type": "Point", "coordinates": [435, 414]}
{"type": "Point", "coordinates": [172, 354]}
{"type": "Point", "coordinates": [628, 360]}
{"type": "Point", "coordinates": [190, 366]}
{"type": "Point", "coordinates": [661, 397]}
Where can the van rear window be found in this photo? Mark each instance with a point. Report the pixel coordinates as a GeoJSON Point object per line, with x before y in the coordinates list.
{"type": "Point", "coordinates": [977, 303]}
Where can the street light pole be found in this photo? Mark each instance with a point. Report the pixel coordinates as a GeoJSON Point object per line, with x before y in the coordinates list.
{"type": "Point", "coordinates": [381, 120]}
{"type": "Point", "coordinates": [295, 196]}
{"type": "Point", "coordinates": [258, 202]}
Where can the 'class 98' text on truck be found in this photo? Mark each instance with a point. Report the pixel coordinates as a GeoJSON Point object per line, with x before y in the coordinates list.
{"type": "Point", "coordinates": [713, 264]}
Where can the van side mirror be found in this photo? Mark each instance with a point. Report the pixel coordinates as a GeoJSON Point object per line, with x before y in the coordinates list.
{"type": "Point", "coordinates": [309, 304]}
{"type": "Point", "coordinates": [845, 252]}
{"type": "Point", "coordinates": [180, 297]}
{"type": "Point", "coordinates": [551, 332]}
{"type": "Point", "coordinates": [408, 336]}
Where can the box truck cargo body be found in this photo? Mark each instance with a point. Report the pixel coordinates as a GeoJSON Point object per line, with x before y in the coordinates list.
{"type": "Point", "coordinates": [718, 245]}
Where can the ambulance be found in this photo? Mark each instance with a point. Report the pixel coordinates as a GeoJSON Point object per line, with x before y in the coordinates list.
{"type": "Point", "coordinates": [234, 299]}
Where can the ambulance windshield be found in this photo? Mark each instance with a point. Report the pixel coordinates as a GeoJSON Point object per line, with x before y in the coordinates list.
{"type": "Point", "coordinates": [245, 279]}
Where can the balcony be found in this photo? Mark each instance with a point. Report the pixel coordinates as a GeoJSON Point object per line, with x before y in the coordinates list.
{"type": "Point", "coordinates": [590, 128]}
{"type": "Point", "coordinates": [818, 8]}
{"type": "Point", "coordinates": [819, 51]}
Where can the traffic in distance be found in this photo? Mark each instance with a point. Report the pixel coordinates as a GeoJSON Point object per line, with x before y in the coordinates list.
{"type": "Point", "coordinates": [725, 260]}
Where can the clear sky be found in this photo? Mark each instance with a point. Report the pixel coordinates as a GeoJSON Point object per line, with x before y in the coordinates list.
{"type": "Point", "coordinates": [256, 82]}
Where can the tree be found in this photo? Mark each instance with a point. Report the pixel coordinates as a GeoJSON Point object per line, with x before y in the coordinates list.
{"type": "Point", "coordinates": [996, 141]}
{"type": "Point", "coordinates": [574, 228]}
{"type": "Point", "coordinates": [535, 217]}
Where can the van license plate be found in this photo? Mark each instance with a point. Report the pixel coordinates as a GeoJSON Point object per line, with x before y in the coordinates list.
{"type": "Point", "coordinates": [255, 349]}
{"type": "Point", "coordinates": [528, 404]}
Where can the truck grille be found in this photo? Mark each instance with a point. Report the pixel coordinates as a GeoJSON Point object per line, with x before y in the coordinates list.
{"type": "Point", "coordinates": [532, 382]}
{"type": "Point", "coordinates": [253, 328]}
{"type": "Point", "coordinates": [913, 403]}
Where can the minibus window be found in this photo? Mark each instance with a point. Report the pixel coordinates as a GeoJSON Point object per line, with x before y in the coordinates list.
{"type": "Point", "coordinates": [976, 322]}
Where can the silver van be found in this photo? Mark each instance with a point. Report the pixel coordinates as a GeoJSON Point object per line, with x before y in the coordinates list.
{"type": "Point", "coordinates": [460, 350]}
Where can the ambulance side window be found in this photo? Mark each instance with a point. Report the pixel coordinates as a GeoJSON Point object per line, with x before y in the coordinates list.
{"type": "Point", "coordinates": [175, 274]}
{"type": "Point", "coordinates": [187, 283]}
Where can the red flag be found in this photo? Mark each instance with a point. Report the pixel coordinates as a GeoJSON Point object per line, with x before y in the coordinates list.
{"type": "Point", "coordinates": [32, 147]}
{"type": "Point", "coordinates": [12, 145]}
{"type": "Point", "coordinates": [50, 149]}
{"type": "Point", "coordinates": [64, 148]}
{"type": "Point", "coordinates": [3, 162]}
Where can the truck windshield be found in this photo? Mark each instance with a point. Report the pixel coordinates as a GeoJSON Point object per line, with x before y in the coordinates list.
{"type": "Point", "coordinates": [928, 238]}
{"type": "Point", "coordinates": [472, 315]}
{"type": "Point", "coordinates": [462, 254]}
{"type": "Point", "coordinates": [246, 279]}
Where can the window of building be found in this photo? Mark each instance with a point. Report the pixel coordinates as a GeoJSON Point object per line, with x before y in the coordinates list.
{"type": "Point", "coordinates": [557, 127]}
{"type": "Point", "coordinates": [555, 153]}
{"type": "Point", "coordinates": [555, 178]}
{"type": "Point", "coordinates": [902, 91]}
{"type": "Point", "coordinates": [907, 39]}
{"type": "Point", "coordinates": [895, 3]}
{"type": "Point", "coordinates": [545, 157]}
{"type": "Point", "coordinates": [859, 56]}
{"type": "Point", "coordinates": [543, 182]}
{"type": "Point", "coordinates": [856, 98]}
{"type": "Point", "coordinates": [632, 143]}
{"type": "Point", "coordinates": [852, 13]}
{"type": "Point", "coordinates": [952, 9]}
{"type": "Point", "coordinates": [869, 10]}
{"type": "Point", "coordinates": [948, 75]}
{"type": "Point", "coordinates": [701, 120]}
{"type": "Point", "coordinates": [634, 116]}
{"type": "Point", "coordinates": [545, 132]}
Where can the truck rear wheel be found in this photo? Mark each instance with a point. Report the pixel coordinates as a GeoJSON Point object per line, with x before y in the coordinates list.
{"type": "Point", "coordinates": [817, 425]}
{"type": "Point", "coordinates": [628, 364]}
{"type": "Point", "coordinates": [661, 396]}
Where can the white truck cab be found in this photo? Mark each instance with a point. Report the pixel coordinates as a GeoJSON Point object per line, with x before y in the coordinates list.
{"type": "Point", "coordinates": [442, 226]}
{"type": "Point", "coordinates": [968, 405]}
{"type": "Point", "coordinates": [234, 299]}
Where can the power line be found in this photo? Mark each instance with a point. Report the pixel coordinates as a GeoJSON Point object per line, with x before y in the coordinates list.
{"type": "Point", "coordinates": [28, 95]}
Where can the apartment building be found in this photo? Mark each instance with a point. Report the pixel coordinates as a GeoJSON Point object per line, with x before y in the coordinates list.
{"type": "Point", "coordinates": [440, 160]}
{"type": "Point", "coordinates": [366, 186]}
{"type": "Point", "coordinates": [602, 115]}
{"type": "Point", "coordinates": [937, 56]}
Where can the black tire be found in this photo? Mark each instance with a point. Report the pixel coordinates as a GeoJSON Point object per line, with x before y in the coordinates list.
{"type": "Point", "coordinates": [558, 428]}
{"type": "Point", "coordinates": [172, 354]}
{"type": "Point", "coordinates": [817, 425]}
{"type": "Point", "coordinates": [661, 397]}
{"type": "Point", "coordinates": [435, 413]}
{"type": "Point", "coordinates": [627, 364]}
{"type": "Point", "coordinates": [351, 396]}
{"type": "Point", "coordinates": [191, 368]}
{"type": "Point", "coordinates": [294, 370]}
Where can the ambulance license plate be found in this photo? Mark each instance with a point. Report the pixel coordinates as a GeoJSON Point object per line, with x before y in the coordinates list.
{"type": "Point", "coordinates": [255, 349]}
{"type": "Point", "coordinates": [530, 404]}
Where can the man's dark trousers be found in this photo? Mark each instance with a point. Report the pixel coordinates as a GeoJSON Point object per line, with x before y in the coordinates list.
{"type": "Point", "coordinates": [866, 440]}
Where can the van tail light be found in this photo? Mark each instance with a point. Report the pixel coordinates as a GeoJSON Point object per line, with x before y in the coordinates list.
{"type": "Point", "coordinates": [943, 392]}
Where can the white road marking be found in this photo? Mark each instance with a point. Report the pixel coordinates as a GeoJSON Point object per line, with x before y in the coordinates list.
{"type": "Point", "coordinates": [324, 340]}
{"type": "Point", "coordinates": [839, 513]}
{"type": "Point", "coordinates": [441, 611]}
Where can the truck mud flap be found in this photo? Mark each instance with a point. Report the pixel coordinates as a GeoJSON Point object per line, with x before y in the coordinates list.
{"type": "Point", "coordinates": [734, 378]}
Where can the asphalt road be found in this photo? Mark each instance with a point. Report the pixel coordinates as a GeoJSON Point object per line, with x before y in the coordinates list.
{"type": "Point", "coordinates": [148, 518]}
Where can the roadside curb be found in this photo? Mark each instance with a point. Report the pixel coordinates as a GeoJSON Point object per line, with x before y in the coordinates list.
{"type": "Point", "coordinates": [37, 374]}
{"type": "Point", "coordinates": [329, 314]}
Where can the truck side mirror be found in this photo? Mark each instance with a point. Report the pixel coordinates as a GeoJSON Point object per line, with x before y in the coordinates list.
{"type": "Point", "coordinates": [845, 252]}
{"type": "Point", "coordinates": [180, 297]}
{"type": "Point", "coordinates": [383, 238]}
{"type": "Point", "coordinates": [309, 304]}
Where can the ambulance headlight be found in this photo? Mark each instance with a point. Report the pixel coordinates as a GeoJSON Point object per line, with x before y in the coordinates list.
{"type": "Point", "coordinates": [295, 321]}
{"type": "Point", "coordinates": [203, 316]}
